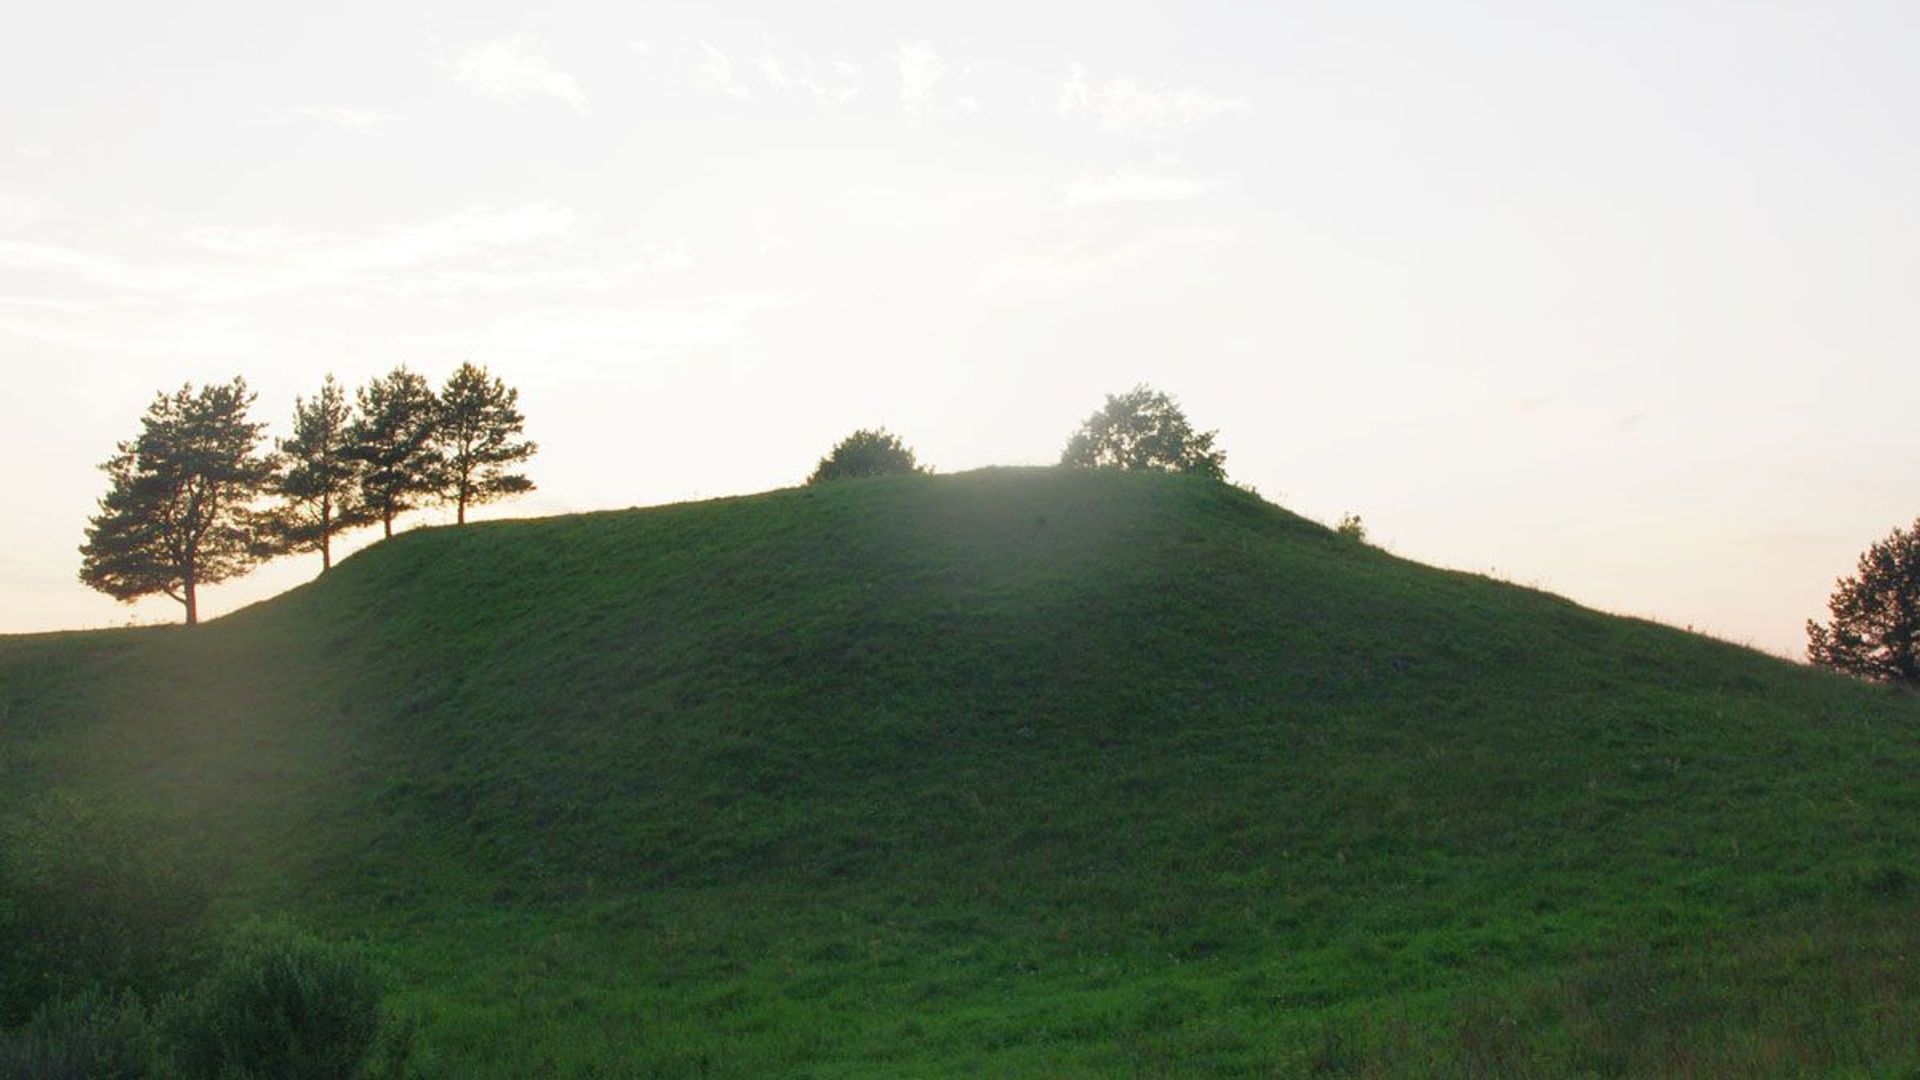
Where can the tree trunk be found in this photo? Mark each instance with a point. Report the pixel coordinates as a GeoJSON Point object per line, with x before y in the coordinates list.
{"type": "Point", "coordinates": [386, 522]}
{"type": "Point", "coordinates": [462, 514]}
{"type": "Point", "coordinates": [326, 533]}
{"type": "Point", "coordinates": [190, 599]}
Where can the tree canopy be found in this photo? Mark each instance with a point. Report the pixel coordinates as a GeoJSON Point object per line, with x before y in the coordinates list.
{"type": "Point", "coordinates": [477, 439]}
{"type": "Point", "coordinates": [867, 452]}
{"type": "Point", "coordinates": [178, 512]}
{"type": "Point", "coordinates": [393, 440]}
{"type": "Point", "coordinates": [317, 476]}
{"type": "Point", "coordinates": [1144, 429]}
{"type": "Point", "coordinates": [1874, 630]}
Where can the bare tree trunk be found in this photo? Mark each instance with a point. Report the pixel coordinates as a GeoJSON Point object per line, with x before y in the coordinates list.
{"type": "Point", "coordinates": [462, 517]}
{"type": "Point", "coordinates": [191, 599]}
{"type": "Point", "coordinates": [326, 533]}
{"type": "Point", "coordinates": [386, 520]}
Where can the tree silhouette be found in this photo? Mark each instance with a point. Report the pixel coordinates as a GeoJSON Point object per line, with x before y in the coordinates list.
{"type": "Point", "coordinates": [317, 477]}
{"type": "Point", "coordinates": [178, 512]}
{"type": "Point", "coordinates": [477, 439]}
{"type": "Point", "coordinates": [867, 452]}
{"type": "Point", "coordinates": [1875, 627]}
{"type": "Point", "coordinates": [393, 440]}
{"type": "Point", "coordinates": [1144, 429]}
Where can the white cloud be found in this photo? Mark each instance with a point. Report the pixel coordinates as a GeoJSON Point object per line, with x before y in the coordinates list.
{"type": "Point", "coordinates": [515, 278]}
{"type": "Point", "coordinates": [43, 303]}
{"type": "Point", "coordinates": [716, 73]}
{"type": "Point", "coordinates": [844, 84]}
{"type": "Point", "coordinates": [333, 258]}
{"type": "Point", "coordinates": [511, 69]}
{"type": "Point", "coordinates": [1091, 259]}
{"type": "Point", "coordinates": [93, 268]}
{"type": "Point", "coordinates": [183, 333]}
{"type": "Point", "coordinates": [34, 152]}
{"type": "Point", "coordinates": [17, 212]}
{"type": "Point", "coordinates": [1122, 105]}
{"type": "Point", "coordinates": [224, 264]}
{"type": "Point", "coordinates": [350, 119]}
{"type": "Point", "coordinates": [1126, 185]}
{"type": "Point", "coordinates": [785, 73]}
{"type": "Point", "coordinates": [612, 333]}
{"type": "Point", "coordinates": [967, 103]}
{"type": "Point", "coordinates": [920, 69]}
{"type": "Point", "coordinates": [775, 71]}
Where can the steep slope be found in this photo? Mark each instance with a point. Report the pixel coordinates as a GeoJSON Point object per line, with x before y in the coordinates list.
{"type": "Point", "coordinates": [1010, 770]}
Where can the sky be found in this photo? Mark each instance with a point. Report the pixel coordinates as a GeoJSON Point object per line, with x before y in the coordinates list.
{"type": "Point", "coordinates": [1616, 300]}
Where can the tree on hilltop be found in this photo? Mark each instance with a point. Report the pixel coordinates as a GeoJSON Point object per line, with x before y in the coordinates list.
{"type": "Point", "coordinates": [317, 477]}
{"type": "Point", "coordinates": [392, 439]}
{"type": "Point", "coordinates": [867, 452]}
{"type": "Point", "coordinates": [179, 510]}
{"type": "Point", "coordinates": [1144, 429]}
{"type": "Point", "coordinates": [477, 439]}
{"type": "Point", "coordinates": [1874, 631]}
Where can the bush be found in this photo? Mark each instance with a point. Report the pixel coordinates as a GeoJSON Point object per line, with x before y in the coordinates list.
{"type": "Point", "coordinates": [875, 452]}
{"type": "Point", "coordinates": [282, 1004]}
{"type": "Point", "coordinates": [1352, 528]}
{"type": "Point", "coordinates": [89, 1036]}
{"type": "Point", "coordinates": [89, 900]}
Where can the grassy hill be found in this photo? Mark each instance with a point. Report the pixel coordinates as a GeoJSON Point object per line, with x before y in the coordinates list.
{"type": "Point", "coordinates": [1015, 771]}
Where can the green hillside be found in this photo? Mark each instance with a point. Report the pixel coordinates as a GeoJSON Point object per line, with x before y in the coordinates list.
{"type": "Point", "coordinates": [1009, 772]}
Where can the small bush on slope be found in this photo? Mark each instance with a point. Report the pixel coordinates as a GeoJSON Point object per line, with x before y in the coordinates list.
{"type": "Point", "coordinates": [91, 1036]}
{"type": "Point", "coordinates": [283, 1004]}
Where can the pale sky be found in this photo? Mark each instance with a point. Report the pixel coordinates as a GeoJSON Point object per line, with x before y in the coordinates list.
{"type": "Point", "coordinates": [1617, 299]}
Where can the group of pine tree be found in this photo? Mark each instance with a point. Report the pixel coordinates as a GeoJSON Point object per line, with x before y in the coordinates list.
{"type": "Point", "coordinates": [195, 499]}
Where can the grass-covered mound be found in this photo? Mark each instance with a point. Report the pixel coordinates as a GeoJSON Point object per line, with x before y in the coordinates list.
{"type": "Point", "coordinates": [1011, 771]}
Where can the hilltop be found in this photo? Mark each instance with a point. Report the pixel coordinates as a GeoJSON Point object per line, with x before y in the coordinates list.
{"type": "Point", "coordinates": [1014, 770]}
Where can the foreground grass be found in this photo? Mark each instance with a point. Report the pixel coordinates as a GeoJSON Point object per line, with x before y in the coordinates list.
{"type": "Point", "coordinates": [1014, 771]}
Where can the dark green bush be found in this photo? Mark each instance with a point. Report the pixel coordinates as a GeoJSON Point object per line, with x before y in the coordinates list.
{"type": "Point", "coordinates": [90, 901]}
{"type": "Point", "coordinates": [90, 1036]}
{"type": "Point", "coordinates": [867, 452]}
{"type": "Point", "coordinates": [282, 1004]}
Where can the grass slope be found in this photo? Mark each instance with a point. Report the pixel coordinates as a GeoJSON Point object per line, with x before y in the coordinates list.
{"type": "Point", "coordinates": [1010, 771]}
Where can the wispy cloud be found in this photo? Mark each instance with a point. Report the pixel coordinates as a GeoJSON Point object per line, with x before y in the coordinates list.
{"type": "Point", "coordinates": [344, 117]}
{"type": "Point", "coordinates": [1091, 259]}
{"type": "Point", "coordinates": [198, 333]}
{"type": "Point", "coordinates": [508, 277]}
{"type": "Point", "coordinates": [333, 257]}
{"type": "Point", "coordinates": [613, 333]}
{"type": "Point", "coordinates": [920, 70]}
{"type": "Point", "coordinates": [1123, 105]}
{"type": "Point", "coordinates": [39, 152]}
{"type": "Point", "coordinates": [221, 264]}
{"type": "Point", "coordinates": [716, 72]}
{"type": "Point", "coordinates": [1126, 185]}
{"type": "Point", "coordinates": [512, 69]}
{"type": "Point", "coordinates": [17, 212]}
{"type": "Point", "coordinates": [789, 76]}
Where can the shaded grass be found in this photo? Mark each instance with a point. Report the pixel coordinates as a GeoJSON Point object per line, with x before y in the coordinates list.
{"type": "Point", "coordinates": [1012, 771]}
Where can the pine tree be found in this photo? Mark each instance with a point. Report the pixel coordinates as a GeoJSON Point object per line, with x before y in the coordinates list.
{"type": "Point", "coordinates": [317, 476]}
{"type": "Point", "coordinates": [477, 439]}
{"type": "Point", "coordinates": [1875, 630]}
{"type": "Point", "coordinates": [392, 439]}
{"type": "Point", "coordinates": [179, 510]}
